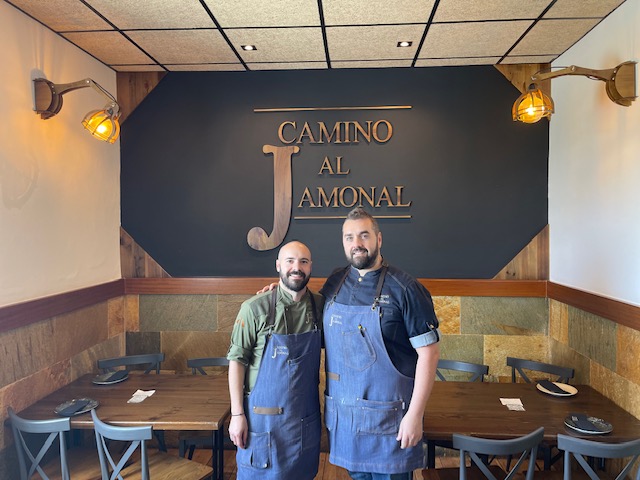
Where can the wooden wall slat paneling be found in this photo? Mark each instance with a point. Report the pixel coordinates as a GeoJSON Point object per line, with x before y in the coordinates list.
{"type": "Point", "coordinates": [520, 75]}
{"type": "Point", "coordinates": [619, 312]}
{"type": "Point", "coordinates": [135, 262]}
{"type": "Point", "coordinates": [25, 313]}
{"type": "Point", "coordinates": [133, 87]}
{"type": "Point", "coordinates": [532, 263]}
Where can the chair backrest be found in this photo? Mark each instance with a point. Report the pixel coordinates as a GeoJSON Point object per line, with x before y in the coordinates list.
{"type": "Point", "coordinates": [197, 364]}
{"type": "Point", "coordinates": [113, 461]}
{"type": "Point", "coordinates": [30, 456]}
{"type": "Point", "coordinates": [518, 364]}
{"type": "Point", "coordinates": [151, 360]}
{"type": "Point", "coordinates": [476, 369]}
{"type": "Point", "coordinates": [526, 446]}
{"type": "Point", "coordinates": [580, 448]}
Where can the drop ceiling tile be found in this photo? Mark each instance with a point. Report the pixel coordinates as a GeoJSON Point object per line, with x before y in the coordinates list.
{"type": "Point", "coordinates": [63, 15]}
{"type": "Point", "coordinates": [137, 68]}
{"type": "Point", "coordinates": [453, 62]}
{"type": "Point", "coordinates": [279, 44]}
{"type": "Point", "coordinates": [373, 12]}
{"type": "Point", "coordinates": [109, 47]}
{"type": "Point", "coordinates": [553, 36]}
{"type": "Point", "coordinates": [207, 67]}
{"type": "Point", "coordinates": [373, 64]}
{"type": "Point", "coordinates": [464, 10]}
{"type": "Point", "coordinates": [265, 13]}
{"type": "Point", "coordinates": [184, 46]}
{"type": "Point", "coordinates": [511, 59]}
{"type": "Point", "coordinates": [287, 66]}
{"type": "Point", "coordinates": [373, 43]}
{"type": "Point", "coordinates": [479, 39]}
{"type": "Point", "coordinates": [154, 14]}
{"type": "Point", "coordinates": [582, 8]}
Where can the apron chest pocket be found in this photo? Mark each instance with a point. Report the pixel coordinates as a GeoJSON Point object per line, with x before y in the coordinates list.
{"type": "Point", "coordinates": [378, 418]}
{"type": "Point", "coordinates": [258, 451]}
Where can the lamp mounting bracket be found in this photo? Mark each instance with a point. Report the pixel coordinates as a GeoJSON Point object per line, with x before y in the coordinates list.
{"type": "Point", "coordinates": [620, 81]}
{"type": "Point", "coordinates": [48, 95]}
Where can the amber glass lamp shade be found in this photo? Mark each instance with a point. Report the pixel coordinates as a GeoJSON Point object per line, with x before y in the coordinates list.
{"type": "Point", "coordinates": [532, 105]}
{"type": "Point", "coordinates": [103, 124]}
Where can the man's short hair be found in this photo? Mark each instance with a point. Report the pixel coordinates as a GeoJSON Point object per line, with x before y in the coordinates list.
{"type": "Point", "coordinates": [360, 213]}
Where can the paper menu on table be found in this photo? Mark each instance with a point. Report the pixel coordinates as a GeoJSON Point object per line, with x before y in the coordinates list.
{"type": "Point", "coordinates": [513, 404]}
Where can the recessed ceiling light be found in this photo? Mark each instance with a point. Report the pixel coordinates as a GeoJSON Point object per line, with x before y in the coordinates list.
{"type": "Point", "coordinates": [248, 48]}
{"type": "Point", "coordinates": [405, 44]}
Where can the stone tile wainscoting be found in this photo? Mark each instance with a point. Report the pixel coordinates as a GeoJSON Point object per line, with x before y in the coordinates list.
{"type": "Point", "coordinates": [42, 356]}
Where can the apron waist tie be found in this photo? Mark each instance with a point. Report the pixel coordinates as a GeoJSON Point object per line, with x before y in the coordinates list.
{"type": "Point", "coordinates": [333, 376]}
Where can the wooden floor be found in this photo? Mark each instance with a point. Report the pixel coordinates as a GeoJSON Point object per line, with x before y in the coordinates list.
{"type": "Point", "coordinates": [326, 470]}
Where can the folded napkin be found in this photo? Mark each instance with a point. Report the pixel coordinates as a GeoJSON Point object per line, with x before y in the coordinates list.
{"type": "Point", "coordinates": [550, 386]}
{"type": "Point", "coordinates": [120, 374]}
{"type": "Point", "coordinates": [581, 420]}
{"type": "Point", "coordinates": [74, 407]}
{"type": "Point", "coordinates": [141, 396]}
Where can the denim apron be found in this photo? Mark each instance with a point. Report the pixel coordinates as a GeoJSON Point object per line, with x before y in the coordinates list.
{"type": "Point", "coordinates": [366, 396]}
{"type": "Point", "coordinates": [283, 409]}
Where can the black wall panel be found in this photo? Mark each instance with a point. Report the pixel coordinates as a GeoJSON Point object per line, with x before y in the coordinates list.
{"type": "Point", "coordinates": [195, 181]}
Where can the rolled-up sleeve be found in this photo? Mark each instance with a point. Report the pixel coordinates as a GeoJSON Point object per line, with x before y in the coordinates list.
{"type": "Point", "coordinates": [243, 337]}
{"type": "Point", "coordinates": [420, 316]}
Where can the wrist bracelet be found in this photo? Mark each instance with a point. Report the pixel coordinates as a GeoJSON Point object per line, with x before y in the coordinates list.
{"type": "Point", "coordinates": [237, 414]}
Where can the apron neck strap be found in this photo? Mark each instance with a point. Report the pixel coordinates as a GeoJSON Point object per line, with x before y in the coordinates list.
{"type": "Point", "coordinates": [383, 273]}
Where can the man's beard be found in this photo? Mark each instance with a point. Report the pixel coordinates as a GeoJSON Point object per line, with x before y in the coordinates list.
{"type": "Point", "coordinates": [295, 285]}
{"type": "Point", "coordinates": [363, 262]}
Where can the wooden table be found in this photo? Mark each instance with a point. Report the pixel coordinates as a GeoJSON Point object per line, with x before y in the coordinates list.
{"type": "Point", "coordinates": [474, 408]}
{"type": "Point", "coordinates": [180, 402]}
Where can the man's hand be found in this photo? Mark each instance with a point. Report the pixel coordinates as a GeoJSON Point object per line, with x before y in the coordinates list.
{"type": "Point", "coordinates": [268, 288]}
{"type": "Point", "coordinates": [238, 429]}
{"type": "Point", "coordinates": [410, 432]}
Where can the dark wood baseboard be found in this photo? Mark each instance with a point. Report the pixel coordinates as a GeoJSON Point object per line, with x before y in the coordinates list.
{"type": "Point", "coordinates": [619, 312]}
{"type": "Point", "coordinates": [21, 314]}
{"type": "Point", "coordinates": [25, 313]}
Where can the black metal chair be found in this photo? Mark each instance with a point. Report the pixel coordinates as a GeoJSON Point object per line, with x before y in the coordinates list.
{"type": "Point", "coordinates": [216, 440]}
{"type": "Point", "coordinates": [580, 448]}
{"type": "Point", "coordinates": [477, 371]}
{"type": "Point", "coordinates": [478, 449]}
{"type": "Point", "coordinates": [36, 439]}
{"type": "Point", "coordinates": [151, 361]}
{"type": "Point", "coordinates": [564, 374]}
{"type": "Point", "coordinates": [135, 462]}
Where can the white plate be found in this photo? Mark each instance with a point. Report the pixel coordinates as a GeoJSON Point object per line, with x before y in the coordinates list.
{"type": "Point", "coordinates": [104, 379]}
{"type": "Point", "coordinates": [570, 390]}
{"type": "Point", "coordinates": [91, 404]}
{"type": "Point", "coordinates": [602, 426]}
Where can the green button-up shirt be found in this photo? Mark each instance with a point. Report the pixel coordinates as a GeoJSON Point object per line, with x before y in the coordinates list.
{"type": "Point", "coordinates": [250, 329]}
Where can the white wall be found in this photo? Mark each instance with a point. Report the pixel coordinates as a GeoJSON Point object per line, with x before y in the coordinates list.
{"type": "Point", "coordinates": [59, 187]}
{"type": "Point", "coordinates": [594, 168]}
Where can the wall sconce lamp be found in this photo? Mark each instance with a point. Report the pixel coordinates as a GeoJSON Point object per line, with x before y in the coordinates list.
{"type": "Point", "coordinates": [534, 104]}
{"type": "Point", "coordinates": [102, 124]}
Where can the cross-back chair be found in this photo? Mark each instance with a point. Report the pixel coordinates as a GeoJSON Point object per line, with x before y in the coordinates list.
{"type": "Point", "coordinates": [580, 448]}
{"type": "Point", "coordinates": [151, 361]}
{"type": "Point", "coordinates": [478, 449]}
{"type": "Point", "coordinates": [34, 439]}
{"type": "Point", "coordinates": [135, 462]}
{"type": "Point", "coordinates": [519, 365]}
